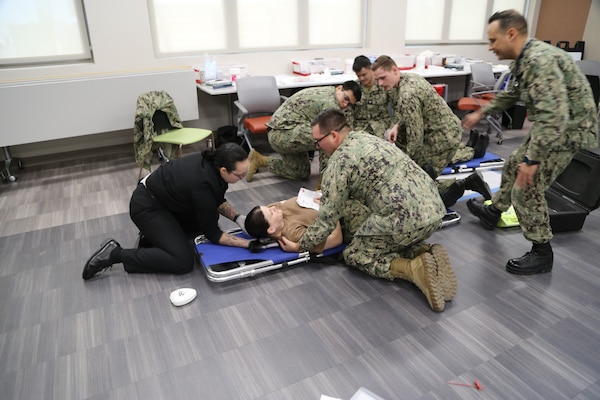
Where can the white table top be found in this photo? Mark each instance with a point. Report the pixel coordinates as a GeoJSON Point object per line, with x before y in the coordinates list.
{"type": "Point", "coordinates": [291, 81]}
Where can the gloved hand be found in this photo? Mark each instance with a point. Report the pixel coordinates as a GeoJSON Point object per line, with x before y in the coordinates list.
{"type": "Point", "coordinates": [255, 246]}
{"type": "Point", "coordinates": [241, 222]}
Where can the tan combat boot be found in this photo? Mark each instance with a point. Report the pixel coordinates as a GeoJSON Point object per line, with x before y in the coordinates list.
{"type": "Point", "coordinates": [446, 274]}
{"type": "Point", "coordinates": [257, 161]}
{"type": "Point", "coordinates": [422, 271]}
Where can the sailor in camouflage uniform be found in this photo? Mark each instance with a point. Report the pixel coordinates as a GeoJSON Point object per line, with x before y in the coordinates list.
{"type": "Point", "coordinates": [290, 132]}
{"type": "Point", "coordinates": [402, 208]}
{"type": "Point", "coordinates": [426, 129]}
{"type": "Point", "coordinates": [559, 102]}
{"type": "Point", "coordinates": [371, 113]}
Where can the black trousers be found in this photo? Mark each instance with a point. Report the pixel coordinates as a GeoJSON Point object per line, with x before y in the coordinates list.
{"type": "Point", "coordinates": [169, 234]}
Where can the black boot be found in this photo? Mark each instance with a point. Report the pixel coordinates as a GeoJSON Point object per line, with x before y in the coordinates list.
{"type": "Point", "coordinates": [476, 183]}
{"type": "Point", "coordinates": [473, 138]}
{"type": "Point", "coordinates": [537, 261]}
{"type": "Point", "coordinates": [481, 145]}
{"type": "Point", "coordinates": [100, 260]}
{"type": "Point", "coordinates": [430, 171]}
{"type": "Point", "coordinates": [453, 193]}
{"type": "Point", "coordinates": [488, 215]}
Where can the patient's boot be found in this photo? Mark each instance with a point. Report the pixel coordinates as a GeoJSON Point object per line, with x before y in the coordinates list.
{"type": "Point", "coordinates": [257, 161]}
{"type": "Point", "coordinates": [476, 183]}
{"type": "Point", "coordinates": [473, 182]}
{"type": "Point", "coordinates": [481, 145]}
{"type": "Point", "coordinates": [446, 275]}
{"type": "Point", "coordinates": [473, 137]}
{"type": "Point", "coordinates": [422, 271]}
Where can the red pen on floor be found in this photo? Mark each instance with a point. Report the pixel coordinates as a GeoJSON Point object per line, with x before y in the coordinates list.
{"type": "Point", "coordinates": [476, 385]}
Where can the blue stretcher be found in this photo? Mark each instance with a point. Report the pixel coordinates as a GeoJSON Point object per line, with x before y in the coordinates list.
{"type": "Point", "coordinates": [225, 263]}
{"type": "Point", "coordinates": [488, 161]}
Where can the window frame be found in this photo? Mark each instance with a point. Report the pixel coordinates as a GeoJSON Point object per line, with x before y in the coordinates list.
{"type": "Point", "coordinates": [231, 32]}
{"type": "Point", "coordinates": [86, 55]}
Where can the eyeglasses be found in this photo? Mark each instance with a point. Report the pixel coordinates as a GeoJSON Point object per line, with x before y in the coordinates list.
{"type": "Point", "coordinates": [317, 141]}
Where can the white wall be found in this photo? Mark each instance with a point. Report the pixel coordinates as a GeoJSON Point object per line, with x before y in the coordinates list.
{"type": "Point", "coordinates": [592, 33]}
{"type": "Point", "coordinates": [121, 40]}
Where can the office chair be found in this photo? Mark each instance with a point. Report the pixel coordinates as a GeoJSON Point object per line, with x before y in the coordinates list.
{"type": "Point", "coordinates": [157, 121]}
{"type": "Point", "coordinates": [484, 85]}
{"type": "Point", "coordinates": [258, 98]}
{"type": "Point", "coordinates": [591, 69]}
{"type": "Point", "coordinates": [5, 173]}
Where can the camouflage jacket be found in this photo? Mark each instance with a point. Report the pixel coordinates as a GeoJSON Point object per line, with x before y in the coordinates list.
{"type": "Point", "coordinates": [143, 127]}
{"type": "Point", "coordinates": [399, 195]}
{"type": "Point", "coordinates": [427, 125]}
{"type": "Point", "coordinates": [558, 99]}
{"type": "Point", "coordinates": [302, 107]}
{"type": "Point", "coordinates": [371, 112]}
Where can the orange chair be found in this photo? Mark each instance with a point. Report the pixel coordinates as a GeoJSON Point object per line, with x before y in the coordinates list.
{"type": "Point", "coordinates": [258, 98]}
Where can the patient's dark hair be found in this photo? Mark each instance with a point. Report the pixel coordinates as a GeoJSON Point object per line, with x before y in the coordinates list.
{"type": "Point", "coordinates": [227, 155]}
{"type": "Point", "coordinates": [256, 224]}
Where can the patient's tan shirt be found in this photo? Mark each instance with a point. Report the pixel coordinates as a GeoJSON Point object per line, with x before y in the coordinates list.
{"type": "Point", "coordinates": [296, 220]}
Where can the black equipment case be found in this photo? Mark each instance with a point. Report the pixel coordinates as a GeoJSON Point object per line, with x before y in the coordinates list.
{"type": "Point", "coordinates": [575, 192]}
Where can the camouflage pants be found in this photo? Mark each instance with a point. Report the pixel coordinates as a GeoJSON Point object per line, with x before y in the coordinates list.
{"type": "Point", "coordinates": [293, 146]}
{"type": "Point", "coordinates": [373, 254]}
{"type": "Point", "coordinates": [463, 153]}
{"type": "Point", "coordinates": [530, 204]}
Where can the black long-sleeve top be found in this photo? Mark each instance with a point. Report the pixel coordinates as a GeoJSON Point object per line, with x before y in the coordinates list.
{"type": "Point", "coordinates": [191, 185]}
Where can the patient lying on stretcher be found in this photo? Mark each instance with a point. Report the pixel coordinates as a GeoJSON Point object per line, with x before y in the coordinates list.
{"type": "Point", "coordinates": [287, 218]}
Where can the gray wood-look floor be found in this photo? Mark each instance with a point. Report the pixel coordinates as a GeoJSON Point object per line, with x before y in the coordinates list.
{"type": "Point", "coordinates": [295, 333]}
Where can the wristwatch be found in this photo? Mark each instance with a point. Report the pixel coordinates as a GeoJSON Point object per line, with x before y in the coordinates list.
{"type": "Point", "coordinates": [527, 161]}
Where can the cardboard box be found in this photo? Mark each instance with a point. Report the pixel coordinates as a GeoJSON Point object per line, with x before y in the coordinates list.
{"type": "Point", "coordinates": [406, 61]}
{"type": "Point", "coordinates": [575, 192]}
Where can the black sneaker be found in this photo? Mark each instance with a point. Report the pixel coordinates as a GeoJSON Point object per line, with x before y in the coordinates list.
{"type": "Point", "coordinates": [533, 262]}
{"type": "Point", "coordinates": [488, 215]}
{"type": "Point", "coordinates": [100, 260]}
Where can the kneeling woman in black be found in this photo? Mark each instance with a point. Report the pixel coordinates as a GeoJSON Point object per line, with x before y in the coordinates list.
{"type": "Point", "coordinates": [173, 204]}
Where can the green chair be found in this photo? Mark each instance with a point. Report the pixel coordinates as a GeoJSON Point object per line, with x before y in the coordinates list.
{"type": "Point", "coordinates": [158, 128]}
{"type": "Point", "coordinates": [182, 137]}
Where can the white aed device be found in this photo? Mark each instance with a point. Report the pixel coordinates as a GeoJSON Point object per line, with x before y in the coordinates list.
{"type": "Point", "coordinates": [183, 296]}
